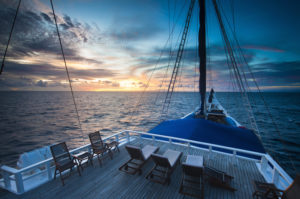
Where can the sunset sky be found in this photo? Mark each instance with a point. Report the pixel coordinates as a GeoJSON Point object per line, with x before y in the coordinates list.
{"type": "Point", "coordinates": [115, 45]}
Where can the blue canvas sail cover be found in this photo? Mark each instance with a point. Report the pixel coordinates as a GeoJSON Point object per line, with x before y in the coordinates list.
{"type": "Point", "coordinates": [210, 132]}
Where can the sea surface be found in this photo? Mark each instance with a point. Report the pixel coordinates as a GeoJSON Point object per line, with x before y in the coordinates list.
{"type": "Point", "coordinates": [30, 120]}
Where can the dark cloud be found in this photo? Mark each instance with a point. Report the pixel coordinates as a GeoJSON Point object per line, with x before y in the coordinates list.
{"type": "Point", "coordinates": [266, 74]}
{"type": "Point", "coordinates": [13, 82]}
{"type": "Point", "coordinates": [35, 31]}
{"type": "Point", "coordinates": [41, 83]}
{"type": "Point", "coordinates": [21, 82]}
{"type": "Point", "coordinates": [108, 84]}
{"type": "Point", "coordinates": [46, 18]}
{"type": "Point", "coordinates": [264, 48]}
{"type": "Point", "coordinates": [51, 72]}
{"type": "Point", "coordinates": [91, 73]}
{"type": "Point", "coordinates": [277, 73]}
{"type": "Point", "coordinates": [68, 22]}
{"type": "Point", "coordinates": [29, 76]}
{"type": "Point", "coordinates": [216, 57]}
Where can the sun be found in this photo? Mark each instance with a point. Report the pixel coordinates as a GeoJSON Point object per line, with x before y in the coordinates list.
{"type": "Point", "coordinates": [129, 84]}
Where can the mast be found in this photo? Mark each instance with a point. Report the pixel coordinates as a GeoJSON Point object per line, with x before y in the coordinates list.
{"type": "Point", "coordinates": [202, 55]}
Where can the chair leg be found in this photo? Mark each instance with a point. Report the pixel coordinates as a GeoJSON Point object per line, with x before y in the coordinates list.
{"type": "Point", "coordinates": [91, 160]}
{"type": "Point", "coordinates": [100, 162]}
{"type": "Point", "coordinates": [70, 171]}
{"type": "Point", "coordinates": [78, 169]}
{"type": "Point", "coordinates": [140, 171]}
{"type": "Point", "coordinates": [55, 174]}
{"type": "Point", "coordinates": [181, 184]}
{"type": "Point", "coordinates": [110, 154]}
{"type": "Point", "coordinates": [150, 175]}
{"type": "Point", "coordinates": [167, 176]}
{"type": "Point", "coordinates": [254, 195]}
{"type": "Point", "coordinates": [202, 187]}
{"type": "Point", "coordinates": [61, 178]}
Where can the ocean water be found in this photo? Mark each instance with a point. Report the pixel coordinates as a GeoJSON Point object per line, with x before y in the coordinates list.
{"type": "Point", "coordinates": [30, 120]}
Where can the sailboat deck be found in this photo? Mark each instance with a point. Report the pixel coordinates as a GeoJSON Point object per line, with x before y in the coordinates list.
{"type": "Point", "coordinates": [108, 182]}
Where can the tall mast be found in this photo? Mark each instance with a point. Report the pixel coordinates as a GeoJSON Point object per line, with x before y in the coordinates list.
{"type": "Point", "coordinates": [202, 55]}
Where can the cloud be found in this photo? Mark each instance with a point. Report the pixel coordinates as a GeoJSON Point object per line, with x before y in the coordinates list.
{"type": "Point", "coordinates": [22, 82]}
{"type": "Point", "coordinates": [32, 76]}
{"type": "Point", "coordinates": [68, 22]}
{"type": "Point", "coordinates": [41, 83]}
{"type": "Point", "coordinates": [278, 73]}
{"type": "Point", "coordinates": [35, 32]}
{"type": "Point", "coordinates": [107, 83]}
{"type": "Point", "coordinates": [46, 18]}
{"type": "Point", "coordinates": [35, 41]}
{"type": "Point", "coordinates": [216, 59]}
{"type": "Point", "coordinates": [35, 37]}
{"type": "Point", "coordinates": [53, 72]}
{"type": "Point", "coordinates": [264, 48]}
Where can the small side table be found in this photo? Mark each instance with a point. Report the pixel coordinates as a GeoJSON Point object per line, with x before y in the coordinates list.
{"type": "Point", "coordinates": [80, 157]}
{"type": "Point", "coordinates": [194, 160]}
{"type": "Point", "coordinates": [113, 144]}
{"type": "Point", "coordinates": [192, 179]}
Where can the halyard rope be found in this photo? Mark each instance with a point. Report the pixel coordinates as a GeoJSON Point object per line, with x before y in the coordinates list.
{"type": "Point", "coordinates": [10, 34]}
{"type": "Point", "coordinates": [65, 63]}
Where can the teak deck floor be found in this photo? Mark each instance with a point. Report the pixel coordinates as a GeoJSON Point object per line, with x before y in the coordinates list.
{"type": "Point", "coordinates": [108, 182]}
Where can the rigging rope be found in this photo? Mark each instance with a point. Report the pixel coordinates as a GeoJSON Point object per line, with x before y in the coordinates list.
{"type": "Point", "coordinates": [239, 58]}
{"type": "Point", "coordinates": [237, 73]}
{"type": "Point", "coordinates": [65, 63]}
{"type": "Point", "coordinates": [171, 54]}
{"type": "Point", "coordinates": [156, 65]}
{"type": "Point", "coordinates": [240, 80]}
{"type": "Point", "coordinates": [177, 62]}
{"type": "Point", "coordinates": [243, 60]}
{"type": "Point", "coordinates": [10, 34]}
{"type": "Point", "coordinates": [268, 109]}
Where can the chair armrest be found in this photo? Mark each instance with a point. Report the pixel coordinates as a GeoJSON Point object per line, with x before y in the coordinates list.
{"type": "Point", "coordinates": [74, 157]}
{"type": "Point", "coordinates": [279, 190]}
{"type": "Point", "coordinates": [222, 173]}
{"type": "Point", "coordinates": [269, 186]}
{"type": "Point", "coordinates": [275, 191]}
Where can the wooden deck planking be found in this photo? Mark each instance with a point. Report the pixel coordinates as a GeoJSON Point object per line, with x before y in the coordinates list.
{"type": "Point", "coordinates": [108, 182]}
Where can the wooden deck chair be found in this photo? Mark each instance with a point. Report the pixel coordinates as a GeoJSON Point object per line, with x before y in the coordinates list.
{"type": "Point", "coordinates": [99, 148]}
{"type": "Point", "coordinates": [164, 166]}
{"type": "Point", "coordinates": [218, 178]}
{"type": "Point", "coordinates": [62, 159]}
{"type": "Point", "coordinates": [192, 181]}
{"type": "Point", "coordinates": [269, 190]}
{"type": "Point", "coordinates": [138, 157]}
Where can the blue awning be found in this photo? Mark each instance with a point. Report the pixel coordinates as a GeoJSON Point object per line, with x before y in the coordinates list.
{"type": "Point", "coordinates": [210, 132]}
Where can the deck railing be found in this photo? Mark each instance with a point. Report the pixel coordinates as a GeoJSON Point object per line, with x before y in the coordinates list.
{"type": "Point", "coordinates": [22, 180]}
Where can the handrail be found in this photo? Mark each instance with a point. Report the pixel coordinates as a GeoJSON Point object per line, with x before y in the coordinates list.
{"type": "Point", "coordinates": [9, 169]}
{"type": "Point", "coordinates": [202, 143]}
{"type": "Point", "coordinates": [19, 179]}
{"type": "Point", "coordinates": [33, 166]}
{"type": "Point", "coordinates": [277, 167]}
